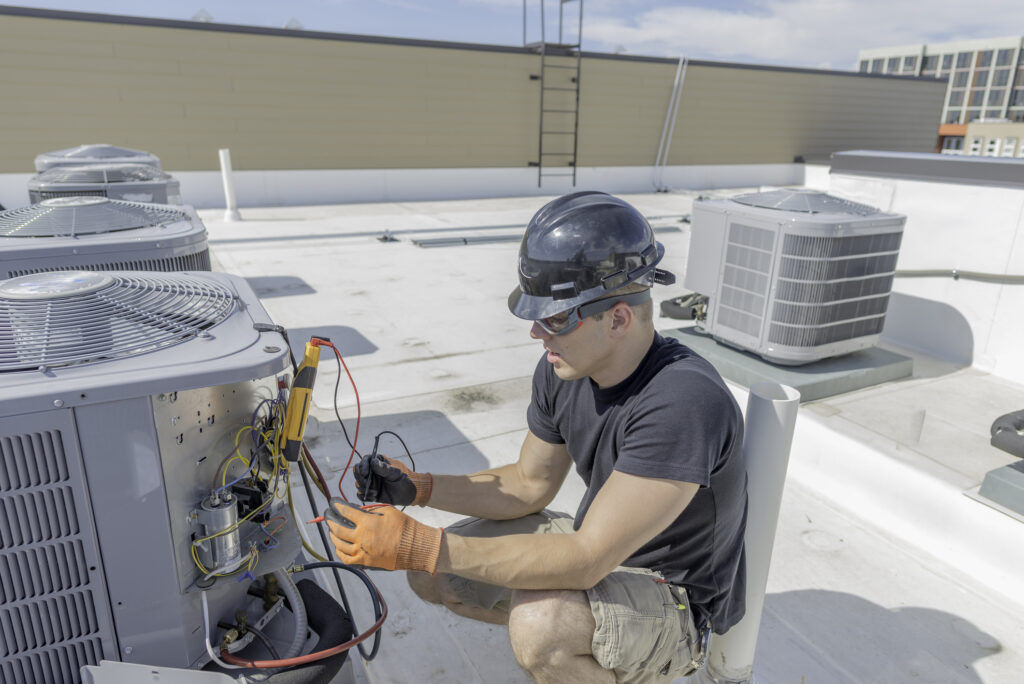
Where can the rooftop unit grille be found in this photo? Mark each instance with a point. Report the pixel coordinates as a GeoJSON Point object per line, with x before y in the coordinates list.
{"type": "Point", "coordinates": [74, 317]}
{"type": "Point", "coordinates": [68, 216]}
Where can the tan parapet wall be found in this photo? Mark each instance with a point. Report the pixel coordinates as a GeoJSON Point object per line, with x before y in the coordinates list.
{"type": "Point", "coordinates": [291, 100]}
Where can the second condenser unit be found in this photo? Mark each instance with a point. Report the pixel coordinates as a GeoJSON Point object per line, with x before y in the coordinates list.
{"type": "Point", "coordinates": [100, 234]}
{"type": "Point", "coordinates": [793, 275]}
{"type": "Point", "coordinates": [129, 182]}
{"type": "Point", "coordinates": [95, 154]}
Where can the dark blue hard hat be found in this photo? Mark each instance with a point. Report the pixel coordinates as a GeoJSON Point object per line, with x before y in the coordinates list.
{"type": "Point", "coordinates": [580, 247]}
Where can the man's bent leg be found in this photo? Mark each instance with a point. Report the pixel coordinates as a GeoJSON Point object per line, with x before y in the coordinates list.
{"type": "Point", "coordinates": [551, 634]}
{"type": "Point", "coordinates": [437, 589]}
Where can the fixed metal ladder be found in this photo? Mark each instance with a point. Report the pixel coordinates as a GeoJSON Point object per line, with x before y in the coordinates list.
{"type": "Point", "coordinates": [559, 78]}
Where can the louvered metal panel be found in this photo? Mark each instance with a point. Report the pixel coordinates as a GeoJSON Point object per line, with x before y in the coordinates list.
{"type": "Point", "coordinates": [36, 196]}
{"type": "Point", "coordinates": [51, 620]}
{"type": "Point", "coordinates": [200, 261]}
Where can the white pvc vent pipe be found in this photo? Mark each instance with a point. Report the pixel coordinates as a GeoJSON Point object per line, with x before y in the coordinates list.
{"type": "Point", "coordinates": [231, 212]}
{"type": "Point", "coordinates": [768, 435]}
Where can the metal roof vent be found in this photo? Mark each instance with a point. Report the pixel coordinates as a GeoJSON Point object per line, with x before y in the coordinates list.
{"type": "Point", "coordinates": [130, 182]}
{"type": "Point", "coordinates": [75, 317]}
{"type": "Point", "coordinates": [100, 234]}
{"type": "Point", "coordinates": [793, 275]}
{"type": "Point", "coordinates": [95, 154]}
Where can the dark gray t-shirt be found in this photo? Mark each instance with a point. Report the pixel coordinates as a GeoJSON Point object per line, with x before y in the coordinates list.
{"type": "Point", "coordinates": [673, 418]}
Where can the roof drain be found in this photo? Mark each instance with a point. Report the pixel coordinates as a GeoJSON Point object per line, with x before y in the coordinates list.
{"type": "Point", "coordinates": [669, 128]}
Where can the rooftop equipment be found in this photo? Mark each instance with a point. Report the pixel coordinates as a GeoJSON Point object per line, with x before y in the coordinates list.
{"type": "Point", "coordinates": [120, 394]}
{"type": "Point", "coordinates": [130, 182]}
{"type": "Point", "coordinates": [794, 276]}
{"type": "Point", "coordinates": [95, 154]}
{"type": "Point", "coordinates": [100, 234]}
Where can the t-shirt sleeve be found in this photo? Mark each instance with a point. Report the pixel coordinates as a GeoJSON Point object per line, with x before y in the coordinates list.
{"type": "Point", "coordinates": [540, 416]}
{"type": "Point", "coordinates": [679, 428]}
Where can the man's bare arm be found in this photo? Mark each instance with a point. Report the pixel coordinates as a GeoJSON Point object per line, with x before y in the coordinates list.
{"type": "Point", "coordinates": [628, 512]}
{"type": "Point", "coordinates": [507, 492]}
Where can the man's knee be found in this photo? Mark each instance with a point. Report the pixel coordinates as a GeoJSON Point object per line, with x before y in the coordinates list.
{"type": "Point", "coordinates": [546, 627]}
{"type": "Point", "coordinates": [424, 585]}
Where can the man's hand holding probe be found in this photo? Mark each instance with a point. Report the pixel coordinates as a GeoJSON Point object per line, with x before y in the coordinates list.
{"type": "Point", "coordinates": [384, 537]}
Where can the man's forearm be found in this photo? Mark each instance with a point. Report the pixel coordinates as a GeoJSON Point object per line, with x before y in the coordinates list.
{"type": "Point", "coordinates": [497, 494]}
{"type": "Point", "coordinates": [526, 561]}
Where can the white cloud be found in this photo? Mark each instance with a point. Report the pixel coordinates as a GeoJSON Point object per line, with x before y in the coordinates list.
{"type": "Point", "coordinates": [814, 33]}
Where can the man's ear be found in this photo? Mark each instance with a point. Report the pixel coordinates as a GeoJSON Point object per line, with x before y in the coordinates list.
{"type": "Point", "coordinates": [622, 318]}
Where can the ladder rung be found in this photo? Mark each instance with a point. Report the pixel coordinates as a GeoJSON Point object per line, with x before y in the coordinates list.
{"type": "Point", "coordinates": [559, 66]}
{"type": "Point", "coordinates": [560, 111]}
{"type": "Point", "coordinates": [557, 154]}
{"type": "Point", "coordinates": [557, 132]}
{"type": "Point", "coordinates": [552, 88]}
{"type": "Point", "coordinates": [564, 175]}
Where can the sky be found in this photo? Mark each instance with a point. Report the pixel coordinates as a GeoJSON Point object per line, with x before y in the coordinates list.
{"type": "Point", "coordinates": [824, 34]}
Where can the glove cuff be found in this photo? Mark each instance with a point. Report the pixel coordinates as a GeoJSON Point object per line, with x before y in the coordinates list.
{"type": "Point", "coordinates": [424, 483]}
{"type": "Point", "coordinates": [419, 547]}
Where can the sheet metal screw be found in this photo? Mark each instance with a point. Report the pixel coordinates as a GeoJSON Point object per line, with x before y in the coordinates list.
{"type": "Point", "coordinates": [58, 402]}
{"type": "Point", "coordinates": [271, 349]}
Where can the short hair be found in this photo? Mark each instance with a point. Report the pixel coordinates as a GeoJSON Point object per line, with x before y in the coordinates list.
{"type": "Point", "coordinates": [644, 312]}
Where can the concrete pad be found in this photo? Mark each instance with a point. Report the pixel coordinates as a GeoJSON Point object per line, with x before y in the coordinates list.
{"type": "Point", "coordinates": [817, 380]}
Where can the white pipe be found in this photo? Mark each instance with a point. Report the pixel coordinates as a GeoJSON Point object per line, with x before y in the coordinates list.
{"type": "Point", "coordinates": [231, 212]}
{"type": "Point", "coordinates": [768, 435]}
{"type": "Point", "coordinates": [206, 626]}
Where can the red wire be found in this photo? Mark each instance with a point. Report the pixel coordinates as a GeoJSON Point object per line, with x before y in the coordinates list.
{"type": "Point", "coordinates": [359, 415]}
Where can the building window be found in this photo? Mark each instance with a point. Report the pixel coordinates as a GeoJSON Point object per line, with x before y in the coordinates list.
{"type": "Point", "coordinates": [980, 79]}
{"type": "Point", "coordinates": [953, 116]}
{"type": "Point", "coordinates": [994, 114]}
{"type": "Point", "coordinates": [1003, 57]}
{"type": "Point", "coordinates": [864, 66]}
{"type": "Point", "coordinates": [893, 65]}
{"type": "Point", "coordinates": [953, 145]}
{"type": "Point", "coordinates": [1009, 147]}
{"type": "Point", "coordinates": [909, 63]}
{"type": "Point", "coordinates": [992, 147]}
{"type": "Point", "coordinates": [1020, 77]}
{"type": "Point", "coordinates": [975, 146]}
{"type": "Point", "coordinates": [973, 115]}
{"type": "Point", "coordinates": [977, 97]}
{"type": "Point", "coordinates": [960, 79]}
{"type": "Point", "coordinates": [956, 98]}
{"type": "Point", "coordinates": [947, 61]}
{"type": "Point", "coordinates": [963, 60]}
{"type": "Point", "coordinates": [995, 97]}
{"type": "Point", "coordinates": [985, 58]}
{"type": "Point", "coordinates": [1017, 99]}
{"type": "Point", "coordinates": [877, 65]}
{"type": "Point", "coordinates": [1001, 77]}
{"type": "Point", "coordinates": [930, 63]}
{"type": "Point", "coordinates": [1017, 117]}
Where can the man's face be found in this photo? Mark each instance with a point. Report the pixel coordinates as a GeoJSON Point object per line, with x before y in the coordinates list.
{"type": "Point", "coordinates": [577, 354]}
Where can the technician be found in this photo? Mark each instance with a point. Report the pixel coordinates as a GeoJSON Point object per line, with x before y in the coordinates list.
{"type": "Point", "coordinates": [627, 589]}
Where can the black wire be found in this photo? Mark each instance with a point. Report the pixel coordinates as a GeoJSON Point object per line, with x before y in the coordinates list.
{"type": "Point", "coordinates": [337, 575]}
{"type": "Point", "coordinates": [375, 597]}
{"type": "Point", "coordinates": [337, 384]}
{"type": "Point", "coordinates": [402, 441]}
{"type": "Point", "coordinates": [266, 641]}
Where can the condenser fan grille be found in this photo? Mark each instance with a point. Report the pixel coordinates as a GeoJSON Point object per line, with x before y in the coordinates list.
{"type": "Point", "coordinates": [102, 173]}
{"type": "Point", "coordinates": [804, 201]}
{"type": "Point", "coordinates": [68, 216]}
{"type": "Point", "coordinates": [60, 322]}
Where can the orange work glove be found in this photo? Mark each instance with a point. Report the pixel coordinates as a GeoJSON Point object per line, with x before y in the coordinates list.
{"type": "Point", "coordinates": [385, 538]}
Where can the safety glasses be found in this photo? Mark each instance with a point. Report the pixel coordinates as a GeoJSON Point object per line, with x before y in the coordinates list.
{"type": "Point", "coordinates": [565, 322]}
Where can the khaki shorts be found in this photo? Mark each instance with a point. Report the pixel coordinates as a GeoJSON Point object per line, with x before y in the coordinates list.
{"type": "Point", "coordinates": [645, 630]}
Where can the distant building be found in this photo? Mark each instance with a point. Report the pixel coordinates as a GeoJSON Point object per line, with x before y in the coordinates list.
{"type": "Point", "coordinates": [985, 85]}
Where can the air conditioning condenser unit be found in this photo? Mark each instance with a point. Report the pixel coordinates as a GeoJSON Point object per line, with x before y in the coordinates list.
{"type": "Point", "coordinates": [129, 182]}
{"type": "Point", "coordinates": [100, 234]}
{"type": "Point", "coordinates": [95, 154]}
{"type": "Point", "coordinates": [794, 276]}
